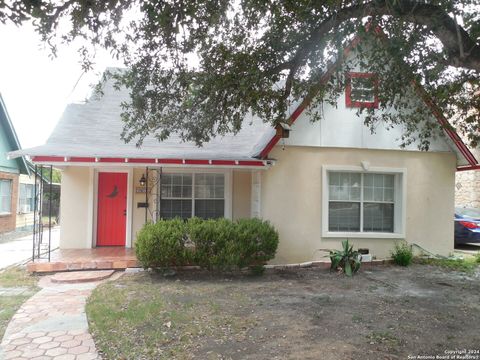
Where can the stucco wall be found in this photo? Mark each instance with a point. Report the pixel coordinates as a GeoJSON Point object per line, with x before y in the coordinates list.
{"type": "Point", "coordinates": [242, 184]}
{"type": "Point", "coordinates": [75, 210]}
{"type": "Point", "coordinates": [292, 199]}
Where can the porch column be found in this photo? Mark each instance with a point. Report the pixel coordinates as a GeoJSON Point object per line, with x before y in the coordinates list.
{"type": "Point", "coordinates": [256, 194]}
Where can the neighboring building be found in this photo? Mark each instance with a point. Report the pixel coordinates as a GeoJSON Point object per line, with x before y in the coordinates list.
{"type": "Point", "coordinates": [12, 173]}
{"type": "Point", "coordinates": [467, 187]}
{"type": "Point", "coordinates": [328, 181]}
{"type": "Point", "coordinates": [26, 202]}
{"type": "Point", "coordinates": [26, 198]}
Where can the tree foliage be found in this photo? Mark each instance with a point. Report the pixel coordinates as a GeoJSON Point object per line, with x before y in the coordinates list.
{"type": "Point", "coordinates": [198, 67]}
{"type": "Point", "coordinates": [56, 175]}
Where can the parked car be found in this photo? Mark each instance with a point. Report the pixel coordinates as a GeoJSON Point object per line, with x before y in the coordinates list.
{"type": "Point", "coordinates": [467, 225]}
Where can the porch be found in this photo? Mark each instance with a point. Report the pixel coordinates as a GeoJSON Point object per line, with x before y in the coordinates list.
{"type": "Point", "coordinates": [104, 207]}
{"type": "Point", "coordinates": [100, 258]}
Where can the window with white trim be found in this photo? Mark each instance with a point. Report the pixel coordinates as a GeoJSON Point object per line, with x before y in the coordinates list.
{"type": "Point", "coordinates": [5, 196]}
{"type": "Point", "coordinates": [186, 195]}
{"type": "Point", "coordinates": [26, 198]}
{"type": "Point", "coordinates": [361, 202]}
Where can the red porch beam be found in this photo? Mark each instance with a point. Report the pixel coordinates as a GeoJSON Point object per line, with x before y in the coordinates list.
{"type": "Point", "coordinates": [60, 159]}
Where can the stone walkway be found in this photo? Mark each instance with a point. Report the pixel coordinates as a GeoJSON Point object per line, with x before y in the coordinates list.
{"type": "Point", "coordinates": [52, 324]}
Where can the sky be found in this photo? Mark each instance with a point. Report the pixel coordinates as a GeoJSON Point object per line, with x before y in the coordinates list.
{"type": "Point", "coordinates": [37, 88]}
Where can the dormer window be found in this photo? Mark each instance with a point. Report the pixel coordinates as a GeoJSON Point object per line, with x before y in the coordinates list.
{"type": "Point", "coordinates": [361, 90]}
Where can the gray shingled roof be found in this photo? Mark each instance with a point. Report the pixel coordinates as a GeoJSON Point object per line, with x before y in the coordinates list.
{"type": "Point", "coordinates": [93, 130]}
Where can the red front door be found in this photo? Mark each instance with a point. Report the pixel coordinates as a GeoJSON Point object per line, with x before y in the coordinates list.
{"type": "Point", "coordinates": [112, 209]}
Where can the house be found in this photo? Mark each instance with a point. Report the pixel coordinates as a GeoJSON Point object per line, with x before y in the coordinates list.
{"type": "Point", "coordinates": [15, 191]}
{"type": "Point", "coordinates": [44, 190]}
{"type": "Point", "coordinates": [317, 183]}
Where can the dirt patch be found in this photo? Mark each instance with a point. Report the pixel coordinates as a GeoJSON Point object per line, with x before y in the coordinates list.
{"type": "Point", "coordinates": [382, 313]}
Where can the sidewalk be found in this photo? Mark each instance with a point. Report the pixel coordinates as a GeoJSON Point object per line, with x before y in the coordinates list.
{"type": "Point", "coordinates": [52, 324]}
{"type": "Point", "coordinates": [19, 250]}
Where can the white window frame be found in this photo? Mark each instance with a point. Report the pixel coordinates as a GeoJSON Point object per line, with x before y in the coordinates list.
{"type": "Point", "coordinates": [21, 208]}
{"type": "Point", "coordinates": [400, 201]}
{"type": "Point", "coordinates": [10, 181]}
{"type": "Point", "coordinates": [228, 178]}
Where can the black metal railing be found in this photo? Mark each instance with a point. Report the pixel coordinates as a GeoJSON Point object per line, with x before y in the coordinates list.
{"type": "Point", "coordinates": [41, 246]}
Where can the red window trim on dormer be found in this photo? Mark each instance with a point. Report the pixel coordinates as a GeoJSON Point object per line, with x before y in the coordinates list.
{"type": "Point", "coordinates": [348, 91]}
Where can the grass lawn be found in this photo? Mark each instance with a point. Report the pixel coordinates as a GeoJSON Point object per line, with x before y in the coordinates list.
{"type": "Point", "coordinates": [382, 313]}
{"type": "Point", "coordinates": [468, 265]}
{"type": "Point", "coordinates": [16, 286]}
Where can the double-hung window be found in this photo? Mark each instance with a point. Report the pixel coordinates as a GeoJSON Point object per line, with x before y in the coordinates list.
{"type": "Point", "coordinates": [26, 198]}
{"type": "Point", "coordinates": [209, 197]}
{"type": "Point", "coordinates": [5, 196]}
{"type": "Point", "coordinates": [192, 194]}
{"type": "Point", "coordinates": [363, 203]}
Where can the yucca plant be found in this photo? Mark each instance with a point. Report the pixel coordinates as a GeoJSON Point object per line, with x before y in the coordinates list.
{"type": "Point", "coordinates": [347, 259]}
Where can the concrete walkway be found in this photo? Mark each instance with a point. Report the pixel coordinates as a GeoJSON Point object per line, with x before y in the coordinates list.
{"type": "Point", "coordinates": [19, 250]}
{"type": "Point", "coordinates": [52, 324]}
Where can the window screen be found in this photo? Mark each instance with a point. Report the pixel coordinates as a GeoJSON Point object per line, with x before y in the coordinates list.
{"type": "Point", "coordinates": [5, 196]}
{"type": "Point", "coordinates": [197, 194]}
{"type": "Point", "coordinates": [359, 202]}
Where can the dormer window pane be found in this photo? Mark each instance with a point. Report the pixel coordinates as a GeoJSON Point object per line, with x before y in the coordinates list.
{"type": "Point", "coordinates": [363, 89]}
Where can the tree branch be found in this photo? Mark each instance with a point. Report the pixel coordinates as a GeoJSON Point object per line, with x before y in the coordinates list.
{"type": "Point", "coordinates": [461, 49]}
{"type": "Point", "coordinates": [52, 19]}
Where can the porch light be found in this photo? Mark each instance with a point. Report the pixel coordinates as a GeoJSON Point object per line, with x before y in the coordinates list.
{"type": "Point", "coordinates": [143, 181]}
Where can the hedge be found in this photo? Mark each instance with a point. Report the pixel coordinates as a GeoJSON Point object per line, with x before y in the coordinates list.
{"type": "Point", "coordinates": [214, 244]}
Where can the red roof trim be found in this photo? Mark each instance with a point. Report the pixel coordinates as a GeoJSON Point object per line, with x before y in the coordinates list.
{"type": "Point", "coordinates": [452, 134]}
{"type": "Point", "coordinates": [142, 161]}
{"type": "Point", "coordinates": [81, 159]}
{"type": "Point", "coordinates": [223, 162]}
{"type": "Point", "coordinates": [197, 162]}
{"type": "Point", "coordinates": [111, 160]}
{"type": "Point", "coordinates": [250, 163]}
{"type": "Point", "coordinates": [271, 144]}
{"type": "Point", "coordinates": [59, 159]}
{"type": "Point", "coordinates": [467, 168]}
{"type": "Point", "coordinates": [308, 99]}
{"type": "Point", "coordinates": [170, 161]}
{"type": "Point", "coordinates": [48, 159]}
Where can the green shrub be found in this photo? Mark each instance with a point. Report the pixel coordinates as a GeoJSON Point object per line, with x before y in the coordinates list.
{"type": "Point", "coordinates": [213, 240]}
{"type": "Point", "coordinates": [215, 244]}
{"type": "Point", "coordinates": [402, 254]}
{"type": "Point", "coordinates": [256, 242]}
{"type": "Point", "coordinates": [162, 244]}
